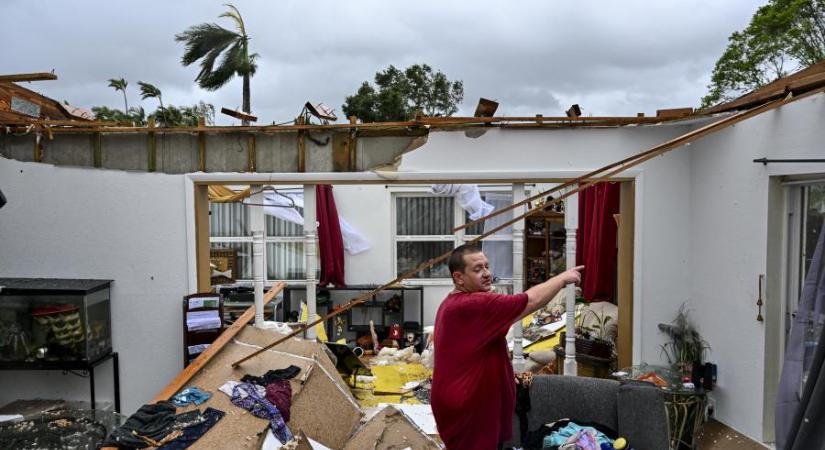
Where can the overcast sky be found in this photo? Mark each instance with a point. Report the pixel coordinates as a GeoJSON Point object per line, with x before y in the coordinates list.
{"type": "Point", "coordinates": [611, 57]}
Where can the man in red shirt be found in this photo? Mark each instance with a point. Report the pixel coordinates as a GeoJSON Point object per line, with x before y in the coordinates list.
{"type": "Point", "coordinates": [473, 392]}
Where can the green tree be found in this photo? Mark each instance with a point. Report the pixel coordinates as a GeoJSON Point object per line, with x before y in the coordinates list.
{"type": "Point", "coordinates": [120, 85]}
{"type": "Point", "coordinates": [402, 94]}
{"type": "Point", "coordinates": [150, 91]}
{"type": "Point", "coordinates": [134, 117]}
{"type": "Point", "coordinates": [207, 41]}
{"type": "Point", "coordinates": [184, 116]}
{"type": "Point", "coordinates": [782, 37]}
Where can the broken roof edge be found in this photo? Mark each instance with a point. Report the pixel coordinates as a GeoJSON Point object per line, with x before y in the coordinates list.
{"type": "Point", "coordinates": [806, 81]}
{"type": "Point", "coordinates": [405, 127]}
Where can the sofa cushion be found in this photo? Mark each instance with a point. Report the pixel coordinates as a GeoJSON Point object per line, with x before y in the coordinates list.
{"type": "Point", "coordinates": [642, 416]}
{"type": "Point", "coordinates": [555, 397]}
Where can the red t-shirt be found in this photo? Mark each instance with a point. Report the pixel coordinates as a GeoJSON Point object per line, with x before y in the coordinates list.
{"type": "Point", "coordinates": [473, 392]}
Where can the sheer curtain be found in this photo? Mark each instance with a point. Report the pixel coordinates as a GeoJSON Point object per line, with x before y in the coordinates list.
{"type": "Point", "coordinates": [500, 253]}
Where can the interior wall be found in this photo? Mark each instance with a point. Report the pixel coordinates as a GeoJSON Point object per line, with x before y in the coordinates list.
{"type": "Point", "coordinates": [730, 241]}
{"type": "Point", "coordinates": [128, 227]}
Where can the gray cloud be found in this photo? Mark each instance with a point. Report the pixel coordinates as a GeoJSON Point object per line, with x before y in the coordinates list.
{"type": "Point", "coordinates": [613, 58]}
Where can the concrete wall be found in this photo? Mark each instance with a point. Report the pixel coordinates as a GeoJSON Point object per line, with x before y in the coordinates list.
{"type": "Point", "coordinates": [730, 239]}
{"type": "Point", "coordinates": [127, 227]}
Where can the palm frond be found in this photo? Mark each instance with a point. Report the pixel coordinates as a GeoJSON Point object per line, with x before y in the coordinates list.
{"type": "Point", "coordinates": [231, 62]}
{"type": "Point", "coordinates": [148, 90]}
{"type": "Point", "coordinates": [118, 83]}
{"type": "Point", "coordinates": [202, 39]}
{"type": "Point", "coordinates": [235, 15]}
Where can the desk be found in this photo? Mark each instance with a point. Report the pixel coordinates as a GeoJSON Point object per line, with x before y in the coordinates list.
{"type": "Point", "coordinates": [66, 366]}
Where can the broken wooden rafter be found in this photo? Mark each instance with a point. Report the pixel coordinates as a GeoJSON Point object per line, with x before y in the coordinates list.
{"type": "Point", "coordinates": [631, 161]}
{"type": "Point", "coordinates": [242, 115]}
{"type": "Point", "coordinates": [193, 368]}
{"type": "Point", "coordinates": [588, 180]}
{"type": "Point", "coordinates": [36, 76]}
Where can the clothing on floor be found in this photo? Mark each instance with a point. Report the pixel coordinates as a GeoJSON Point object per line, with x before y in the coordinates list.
{"type": "Point", "coordinates": [271, 376]}
{"type": "Point", "coordinates": [279, 393]}
{"type": "Point", "coordinates": [261, 407]}
{"type": "Point", "coordinates": [536, 439]}
{"type": "Point", "coordinates": [229, 386]}
{"type": "Point", "coordinates": [191, 395]}
{"type": "Point", "coordinates": [192, 433]}
{"type": "Point", "coordinates": [153, 421]}
{"type": "Point", "coordinates": [473, 386]}
{"type": "Point", "coordinates": [584, 437]}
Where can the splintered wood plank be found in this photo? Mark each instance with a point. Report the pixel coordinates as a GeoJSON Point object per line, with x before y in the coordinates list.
{"type": "Point", "coordinates": [186, 374]}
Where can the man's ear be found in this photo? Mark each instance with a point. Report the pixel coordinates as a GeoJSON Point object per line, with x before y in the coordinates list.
{"type": "Point", "coordinates": [457, 278]}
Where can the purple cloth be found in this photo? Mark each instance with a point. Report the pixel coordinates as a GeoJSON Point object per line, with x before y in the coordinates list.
{"type": "Point", "coordinates": [279, 393]}
{"type": "Point", "coordinates": [262, 408]}
{"type": "Point", "coordinates": [811, 307]}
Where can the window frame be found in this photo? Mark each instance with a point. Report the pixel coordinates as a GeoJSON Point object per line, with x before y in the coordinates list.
{"type": "Point", "coordinates": [459, 238]}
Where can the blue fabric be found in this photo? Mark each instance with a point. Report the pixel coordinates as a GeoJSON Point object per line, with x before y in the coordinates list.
{"type": "Point", "coordinates": [192, 395]}
{"type": "Point", "coordinates": [245, 395]}
{"type": "Point", "coordinates": [562, 435]}
{"type": "Point", "coordinates": [194, 432]}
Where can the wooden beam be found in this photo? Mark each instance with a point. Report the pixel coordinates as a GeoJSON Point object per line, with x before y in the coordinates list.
{"type": "Point", "coordinates": [352, 145]}
{"type": "Point", "coordinates": [239, 114]}
{"type": "Point", "coordinates": [302, 151]}
{"type": "Point", "coordinates": [251, 152]}
{"type": "Point", "coordinates": [624, 268]}
{"type": "Point", "coordinates": [152, 146]}
{"type": "Point", "coordinates": [632, 161]}
{"type": "Point", "coordinates": [97, 151]}
{"type": "Point", "coordinates": [37, 76]}
{"type": "Point", "coordinates": [38, 147]}
{"type": "Point", "coordinates": [225, 337]}
{"type": "Point", "coordinates": [673, 112]}
{"type": "Point", "coordinates": [202, 238]}
{"type": "Point", "coordinates": [201, 145]}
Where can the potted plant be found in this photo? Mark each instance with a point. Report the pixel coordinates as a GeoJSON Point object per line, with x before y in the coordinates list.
{"type": "Point", "coordinates": [592, 339]}
{"type": "Point", "coordinates": [686, 346]}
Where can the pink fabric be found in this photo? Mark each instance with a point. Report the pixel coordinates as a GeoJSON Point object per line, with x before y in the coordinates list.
{"type": "Point", "coordinates": [330, 243]}
{"type": "Point", "coordinates": [596, 240]}
{"type": "Point", "coordinates": [474, 393]}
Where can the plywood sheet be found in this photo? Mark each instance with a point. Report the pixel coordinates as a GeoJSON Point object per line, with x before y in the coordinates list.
{"type": "Point", "coordinates": [390, 429]}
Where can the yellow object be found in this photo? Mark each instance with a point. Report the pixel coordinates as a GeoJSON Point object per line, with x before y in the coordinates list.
{"type": "Point", "coordinates": [222, 194]}
{"type": "Point", "coordinates": [620, 443]}
{"type": "Point", "coordinates": [320, 331]}
{"type": "Point", "coordinates": [391, 379]}
{"type": "Point", "coordinates": [342, 341]}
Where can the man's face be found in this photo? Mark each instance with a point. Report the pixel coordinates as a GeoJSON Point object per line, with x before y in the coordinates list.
{"type": "Point", "coordinates": [476, 276]}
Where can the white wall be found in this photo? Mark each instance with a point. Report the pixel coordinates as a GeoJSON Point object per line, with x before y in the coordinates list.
{"type": "Point", "coordinates": [662, 199]}
{"type": "Point", "coordinates": [729, 243]}
{"type": "Point", "coordinates": [128, 227]}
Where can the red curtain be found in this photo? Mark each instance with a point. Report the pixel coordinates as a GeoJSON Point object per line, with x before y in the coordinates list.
{"type": "Point", "coordinates": [330, 243]}
{"type": "Point", "coordinates": [596, 240]}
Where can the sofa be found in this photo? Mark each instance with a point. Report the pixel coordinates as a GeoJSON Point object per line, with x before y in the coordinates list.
{"type": "Point", "coordinates": [635, 410]}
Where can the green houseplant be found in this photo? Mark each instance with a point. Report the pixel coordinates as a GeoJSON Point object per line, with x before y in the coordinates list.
{"type": "Point", "coordinates": [685, 346]}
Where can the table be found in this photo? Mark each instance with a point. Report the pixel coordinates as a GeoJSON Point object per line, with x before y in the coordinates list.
{"type": "Point", "coordinates": [685, 416]}
{"type": "Point", "coordinates": [67, 366]}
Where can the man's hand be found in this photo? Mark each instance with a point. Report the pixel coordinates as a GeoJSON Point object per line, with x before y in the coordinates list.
{"type": "Point", "coordinates": [571, 276]}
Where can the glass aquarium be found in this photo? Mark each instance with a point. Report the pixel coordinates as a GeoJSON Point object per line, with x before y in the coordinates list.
{"type": "Point", "coordinates": [46, 319]}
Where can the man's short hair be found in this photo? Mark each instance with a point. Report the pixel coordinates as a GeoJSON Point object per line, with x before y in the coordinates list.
{"type": "Point", "coordinates": [456, 262]}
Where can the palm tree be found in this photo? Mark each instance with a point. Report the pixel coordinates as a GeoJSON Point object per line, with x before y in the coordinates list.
{"type": "Point", "coordinates": [207, 41]}
{"type": "Point", "coordinates": [120, 85]}
{"type": "Point", "coordinates": [150, 91]}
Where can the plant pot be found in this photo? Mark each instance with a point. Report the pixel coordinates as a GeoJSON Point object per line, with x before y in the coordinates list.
{"type": "Point", "coordinates": [590, 347]}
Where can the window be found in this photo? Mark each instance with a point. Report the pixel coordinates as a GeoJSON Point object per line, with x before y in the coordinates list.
{"type": "Point", "coordinates": [422, 230]}
{"type": "Point", "coordinates": [229, 227]}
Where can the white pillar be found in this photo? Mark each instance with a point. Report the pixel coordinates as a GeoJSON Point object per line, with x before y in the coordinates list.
{"type": "Point", "coordinates": [571, 223]}
{"type": "Point", "coordinates": [518, 275]}
{"type": "Point", "coordinates": [310, 252]}
{"type": "Point", "coordinates": [257, 226]}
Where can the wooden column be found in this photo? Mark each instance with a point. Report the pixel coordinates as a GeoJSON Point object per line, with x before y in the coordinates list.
{"type": "Point", "coordinates": [518, 274]}
{"type": "Point", "coordinates": [152, 146]}
{"type": "Point", "coordinates": [310, 252]}
{"type": "Point", "coordinates": [201, 145]}
{"type": "Point", "coordinates": [571, 223]}
{"type": "Point", "coordinates": [202, 237]}
{"type": "Point", "coordinates": [627, 207]}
